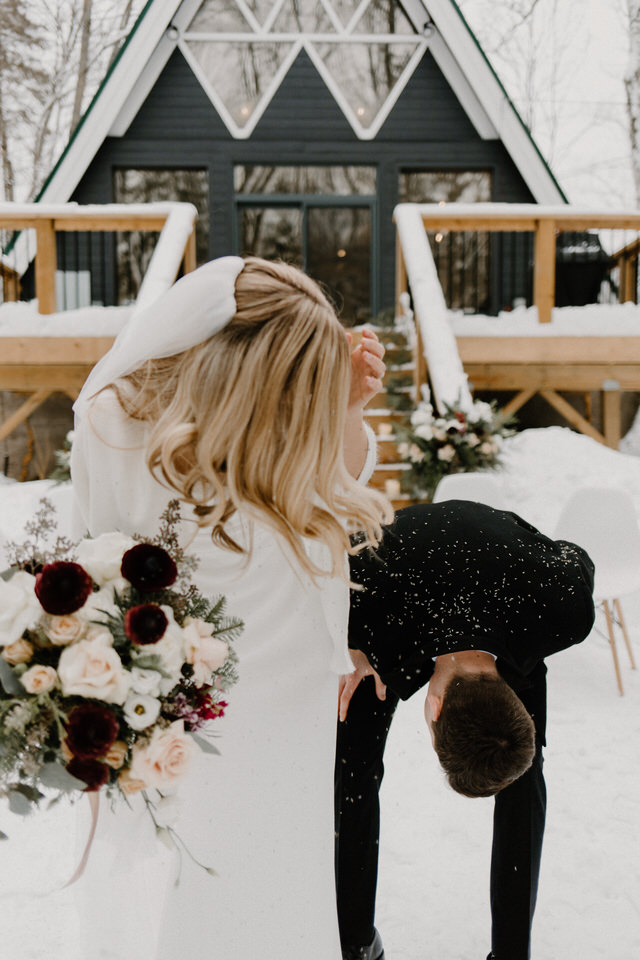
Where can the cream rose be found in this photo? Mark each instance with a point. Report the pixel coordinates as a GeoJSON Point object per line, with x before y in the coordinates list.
{"type": "Point", "coordinates": [102, 556]}
{"type": "Point", "coordinates": [129, 785]}
{"type": "Point", "coordinates": [62, 631]}
{"type": "Point", "coordinates": [446, 453]}
{"type": "Point", "coordinates": [19, 606]}
{"type": "Point", "coordinates": [165, 758]}
{"type": "Point", "coordinates": [20, 651]}
{"type": "Point", "coordinates": [92, 668]}
{"type": "Point", "coordinates": [203, 651]}
{"type": "Point", "coordinates": [39, 679]}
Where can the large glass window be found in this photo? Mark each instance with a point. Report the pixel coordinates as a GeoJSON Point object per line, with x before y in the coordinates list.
{"type": "Point", "coordinates": [134, 249]}
{"type": "Point", "coordinates": [463, 258]}
{"type": "Point", "coordinates": [318, 218]}
{"type": "Point", "coordinates": [364, 50]}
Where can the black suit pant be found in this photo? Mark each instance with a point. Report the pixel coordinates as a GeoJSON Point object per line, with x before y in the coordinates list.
{"type": "Point", "coordinates": [518, 823]}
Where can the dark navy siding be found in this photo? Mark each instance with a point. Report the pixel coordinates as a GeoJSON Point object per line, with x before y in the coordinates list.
{"type": "Point", "coordinates": [427, 128]}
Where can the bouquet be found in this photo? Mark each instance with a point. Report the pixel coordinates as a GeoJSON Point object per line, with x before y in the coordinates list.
{"type": "Point", "coordinates": [458, 442]}
{"type": "Point", "coordinates": [112, 665]}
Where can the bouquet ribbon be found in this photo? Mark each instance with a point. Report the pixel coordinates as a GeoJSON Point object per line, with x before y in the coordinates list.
{"type": "Point", "coordinates": [94, 803]}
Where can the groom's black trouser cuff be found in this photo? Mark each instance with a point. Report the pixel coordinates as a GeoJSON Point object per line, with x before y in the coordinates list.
{"type": "Point", "coordinates": [359, 770]}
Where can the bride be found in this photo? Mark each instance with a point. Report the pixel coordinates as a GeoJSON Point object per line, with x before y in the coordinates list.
{"type": "Point", "coordinates": [237, 393]}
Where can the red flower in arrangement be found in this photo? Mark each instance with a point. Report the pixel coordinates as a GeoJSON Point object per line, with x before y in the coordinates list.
{"type": "Point", "coordinates": [91, 772]}
{"type": "Point", "coordinates": [63, 587]}
{"type": "Point", "coordinates": [148, 568]}
{"type": "Point", "coordinates": [92, 729]}
{"type": "Point", "coordinates": [145, 623]}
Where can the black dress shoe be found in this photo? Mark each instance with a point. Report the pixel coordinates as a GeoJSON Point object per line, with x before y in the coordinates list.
{"type": "Point", "coordinates": [375, 950]}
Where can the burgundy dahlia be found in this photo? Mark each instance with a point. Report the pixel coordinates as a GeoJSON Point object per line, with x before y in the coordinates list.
{"type": "Point", "coordinates": [91, 730]}
{"type": "Point", "coordinates": [63, 587]}
{"type": "Point", "coordinates": [145, 623]}
{"type": "Point", "coordinates": [91, 772]}
{"type": "Point", "coordinates": [148, 568]}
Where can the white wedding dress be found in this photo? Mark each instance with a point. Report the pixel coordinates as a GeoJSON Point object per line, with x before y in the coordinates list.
{"type": "Point", "coordinates": [261, 814]}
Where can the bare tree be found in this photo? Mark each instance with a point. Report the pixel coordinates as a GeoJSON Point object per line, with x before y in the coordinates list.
{"type": "Point", "coordinates": [632, 89]}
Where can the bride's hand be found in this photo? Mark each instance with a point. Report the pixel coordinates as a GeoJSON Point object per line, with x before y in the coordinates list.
{"type": "Point", "coordinates": [349, 682]}
{"type": "Point", "coordinates": [367, 369]}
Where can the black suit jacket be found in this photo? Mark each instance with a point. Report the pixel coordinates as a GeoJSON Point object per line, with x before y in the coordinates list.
{"type": "Point", "coordinates": [459, 575]}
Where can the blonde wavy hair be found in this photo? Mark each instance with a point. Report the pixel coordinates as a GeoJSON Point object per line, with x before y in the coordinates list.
{"type": "Point", "coordinates": [254, 419]}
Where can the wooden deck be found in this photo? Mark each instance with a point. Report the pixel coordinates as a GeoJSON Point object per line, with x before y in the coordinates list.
{"type": "Point", "coordinates": [547, 365]}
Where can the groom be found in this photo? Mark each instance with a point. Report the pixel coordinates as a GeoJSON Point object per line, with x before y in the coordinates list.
{"type": "Point", "coordinates": [468, 600]}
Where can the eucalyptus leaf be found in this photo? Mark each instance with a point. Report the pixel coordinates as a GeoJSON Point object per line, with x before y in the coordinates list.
{"type": "Point", "coordinates": [31, 793]}
{"type": "Point", "coordinates": [9, 680]}
{"type": "Point", "coordinates": [151, 661]}
{"type": "Point", "coordinates": [205, 745]}
{"type": "Point", "coordinates": [19, 804]}
{"type": "Point", "coordinates": [8, 573]}
{"type": "Point", "coordinates": [3, 835]}
{"type": "Point", "coordinates": [56, 776]}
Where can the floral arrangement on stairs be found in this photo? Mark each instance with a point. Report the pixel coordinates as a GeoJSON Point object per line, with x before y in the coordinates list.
{"type": "Point", "coordinates": [459, 441]}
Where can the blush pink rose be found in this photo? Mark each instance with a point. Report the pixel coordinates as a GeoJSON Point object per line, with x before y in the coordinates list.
{"type": "Point", "coordinates": [165, 758]}
{"type": "Point", "coordinates": [20, 651]}
{"type": "Point", "coordinates": [203, 651]}
{"type": "Point", "coordinates": [39, 679]}
{"type": "Point", "coordinates": [65, 629]}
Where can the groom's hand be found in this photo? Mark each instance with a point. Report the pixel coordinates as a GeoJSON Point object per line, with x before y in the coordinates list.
{"type": "Point", "coordinates": [349, 682]}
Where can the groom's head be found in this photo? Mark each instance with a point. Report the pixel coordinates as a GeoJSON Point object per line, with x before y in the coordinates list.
{"type": "Point", "coordinates": [482, 733]}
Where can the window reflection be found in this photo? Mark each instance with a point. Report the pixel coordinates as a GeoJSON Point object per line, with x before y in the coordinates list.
{"type": "Point", "coordinates": [364, 73]}
{"type": "Point", "coordinates": [330, 180]}
{"type": "Point", "coordinates": [462, 258]}
{"type": "Point", "coordinates": [340, 257]}
{"type": "Point", "coordinates": [135, 249]}
{"type": "Point", "coordinates": [274, 233]}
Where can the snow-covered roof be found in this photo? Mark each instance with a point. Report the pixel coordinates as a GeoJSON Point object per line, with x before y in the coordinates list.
{"type": "Point", "coordinates": [157, 33]}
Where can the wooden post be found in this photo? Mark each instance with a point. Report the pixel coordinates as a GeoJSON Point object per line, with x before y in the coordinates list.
{"type": "Point", "coordinates": [544, 269]}
{"type": "Point", "coordinates": [401, 273]}
{"type": "Point", "coordinates": [611, 415]}
{"type": "Point", "coordinates": [190, 261]}
{"type": "Point", "coordinates": [25, 410]}
{"type": "Point", "coordinates": [45, 266]}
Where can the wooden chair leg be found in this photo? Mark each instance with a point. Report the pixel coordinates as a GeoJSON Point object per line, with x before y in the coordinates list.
{"type": "Point", "coordinates": [618, 608]}
{"type": "Point", "coordinates": [612, 642]}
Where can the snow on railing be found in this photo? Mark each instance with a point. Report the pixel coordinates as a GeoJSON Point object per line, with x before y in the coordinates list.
{"type": "Point", "coordinates": [174, 221]}
{"type": "Point", "coordinates": [435, 336]}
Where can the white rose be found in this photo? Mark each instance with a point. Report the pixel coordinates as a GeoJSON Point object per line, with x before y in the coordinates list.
{"type": "Point", "coordinates": [446, 453]}
{"type": "Point", "coordinates": [99, 605]}
{"type": "Point", "coordinates": [39, 679]}
{"type": "Point", "coordinates": [165, 758]}
{"type": "Point", "coordinates": [455, 424]}
{"type": "Point", "coordinates": [19, 606]}
{"type": "Point", "coordinates": [64, 630]}
{"type": "Point", "coordinates": [487, 448]}
{"type": "Point", "coordinates": [92, 668]}
{"type": "Point", "coordinates": [145, 681]}
{"type": "Point", "coordinates": [423, 414]}
{"type": "Point", "coordinates": [204, 652]}
{"type": "Point", "coordinates": [140, 711]}
{"type": "Point", "coordinates": [424, 431]}
{"type": "Point", "coordinates": [472, 440]}
{"type": "Point", "coordinates": [481, 411]}
{"type": "Point", "coordinates": [439, 433]}
{"type": "Point", "coordinates": [102, 557]}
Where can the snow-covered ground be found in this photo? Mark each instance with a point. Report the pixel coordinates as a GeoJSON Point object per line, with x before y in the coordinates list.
{"type": "Point", "coordinates": [435, 845]}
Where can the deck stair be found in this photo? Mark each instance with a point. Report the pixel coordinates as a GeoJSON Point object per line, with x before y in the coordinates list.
{"type": "Point", "coordinates": [391, 407]}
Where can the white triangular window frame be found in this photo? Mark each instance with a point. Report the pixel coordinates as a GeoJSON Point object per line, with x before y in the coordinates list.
{"type": "Point", "coordinates": [302, 41]}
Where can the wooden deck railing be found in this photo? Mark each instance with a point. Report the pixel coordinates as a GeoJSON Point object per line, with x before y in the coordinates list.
{"type": "Point", "coordinates": [174, 221]}
{"type": "Point", "coordinates": [528, 365]}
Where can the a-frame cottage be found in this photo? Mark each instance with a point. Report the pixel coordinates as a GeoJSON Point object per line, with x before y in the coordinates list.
{"type": "Point", "coordinates": [296, 126]}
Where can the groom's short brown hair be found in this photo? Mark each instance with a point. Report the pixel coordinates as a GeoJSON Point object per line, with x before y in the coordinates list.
{"type": "Point", "coordinates": [484, 736]}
